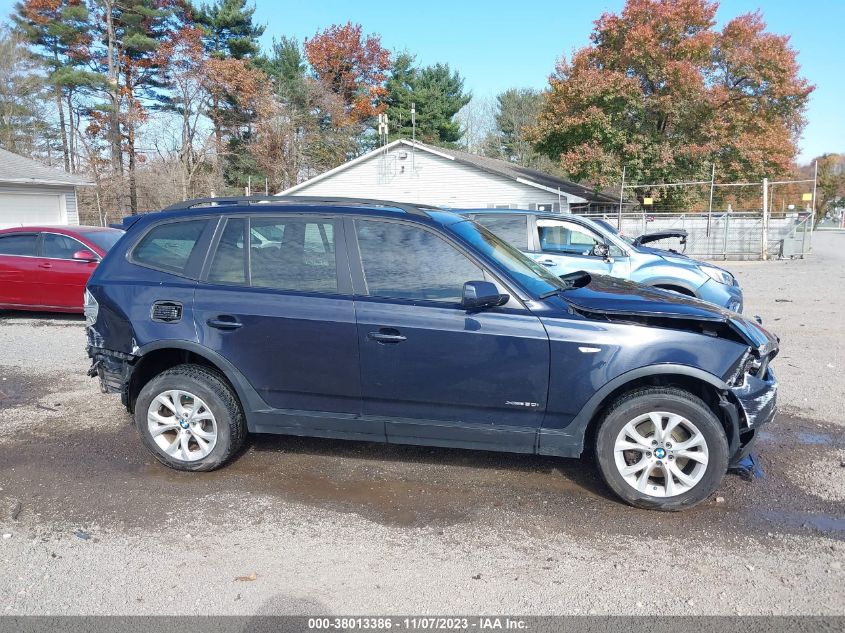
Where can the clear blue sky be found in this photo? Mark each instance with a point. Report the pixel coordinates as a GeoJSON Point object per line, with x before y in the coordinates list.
{"type": "Point", "coordinates": [498, 44]}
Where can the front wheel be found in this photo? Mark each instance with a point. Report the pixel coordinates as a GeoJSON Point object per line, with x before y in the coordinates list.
{"type": "Point", "coordinates": [662, 448]}
{"type": "Point", "coordinates": [189, 418]}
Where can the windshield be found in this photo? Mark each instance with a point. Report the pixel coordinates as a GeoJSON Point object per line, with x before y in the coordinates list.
{"type": "Point", "coordinates": [103, 239]}
{"type": "Point", "coordinates": [529, 274]}
{"type": "Point", "coordinates": [614, 231]}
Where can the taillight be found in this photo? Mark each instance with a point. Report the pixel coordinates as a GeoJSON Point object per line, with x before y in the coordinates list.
{"type": "Point", "coordinates": [91, 308]}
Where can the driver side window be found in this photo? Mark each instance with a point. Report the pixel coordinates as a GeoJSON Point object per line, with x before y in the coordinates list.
{"type": "Point", "coordinates": [566, 238]}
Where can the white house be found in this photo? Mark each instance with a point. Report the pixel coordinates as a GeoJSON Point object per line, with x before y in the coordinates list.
{"type": "Point", "coordinates": [405, 171]}
{"type": "Point", "coordinates": [32, 194]}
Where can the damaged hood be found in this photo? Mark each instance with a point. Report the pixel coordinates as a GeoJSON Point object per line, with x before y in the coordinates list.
{"type": "Point", "coordinates": [656, 236]}
{"type": "Point", "coordinates": [604, 296]}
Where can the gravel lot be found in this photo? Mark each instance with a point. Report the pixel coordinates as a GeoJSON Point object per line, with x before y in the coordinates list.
{"type": "Point", "coordinates": [90, 524]}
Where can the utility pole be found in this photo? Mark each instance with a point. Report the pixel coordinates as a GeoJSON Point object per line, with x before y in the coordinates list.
{"type": "Point", "coordinates": [813, 214]}
{"type": "Point", "coordinates": [413, 138]}
{"type": "Point", "coordinates": [710, 207]}
{"type": "Point", "coordinates": [621, 197]}
{"type": "Point", "coordinates": [764, 253]}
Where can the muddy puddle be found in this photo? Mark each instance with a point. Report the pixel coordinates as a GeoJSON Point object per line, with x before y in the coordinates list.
{"type": "Point", "coordinates": [104, 476]}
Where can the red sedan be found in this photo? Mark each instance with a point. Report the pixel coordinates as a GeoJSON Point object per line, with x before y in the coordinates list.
{"type": "Point", "coordinates": [45, 268]}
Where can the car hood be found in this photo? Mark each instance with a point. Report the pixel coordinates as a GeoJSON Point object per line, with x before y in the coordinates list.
{"type": "Point", "coordinates": [604, 296]}
{"type": "Point", "coordinates": [656, 236]}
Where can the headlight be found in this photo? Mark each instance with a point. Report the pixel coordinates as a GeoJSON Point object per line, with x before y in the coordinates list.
{"type": "Point", "coordinates": [717, 274]}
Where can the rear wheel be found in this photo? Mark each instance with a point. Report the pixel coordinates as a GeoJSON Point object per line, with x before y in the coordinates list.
{"type": "Point", "coordinates": [189, 418]}
{"type": "Point", "coordinates": [662, 448]}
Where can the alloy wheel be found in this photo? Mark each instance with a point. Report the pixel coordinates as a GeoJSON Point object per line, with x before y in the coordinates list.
{"type": "Point", "coordinates": [182, 425]}
{"type": "Point", "coordinates": [661, 454]}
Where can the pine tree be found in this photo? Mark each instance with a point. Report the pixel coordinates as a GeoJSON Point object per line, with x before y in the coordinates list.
{"type": "Point", "coordinates": [437, 93]}
{"type": "Point", "coordinates": [59, 31]}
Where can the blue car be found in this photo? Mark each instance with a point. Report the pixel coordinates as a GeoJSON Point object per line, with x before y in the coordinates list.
{"type": "Point", "coordinates": [389, 322]}
{"type": "Point", "coordinates": [568, 243]}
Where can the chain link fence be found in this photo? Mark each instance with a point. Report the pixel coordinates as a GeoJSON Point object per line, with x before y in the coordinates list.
{"type": "Point", "coordinates": [725, 235]}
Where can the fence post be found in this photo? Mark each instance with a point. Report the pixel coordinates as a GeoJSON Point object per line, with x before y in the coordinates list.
{"type": "Point", "coordinates": [725, 239]}
{"type": "Point", "coordinates": [764, 249]}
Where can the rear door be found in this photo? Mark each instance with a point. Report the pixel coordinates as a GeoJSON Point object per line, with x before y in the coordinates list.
{"type": "Point", "coordinates": [276, 301]}
{"type": "Point", "coordinates": [437, 373]}
{"type": "Point", "coordinates": [60, 282]}
{"type": "Point", "coordinates": [18, 265]}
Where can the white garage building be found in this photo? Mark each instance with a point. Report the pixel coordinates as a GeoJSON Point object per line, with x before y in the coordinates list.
{"type": "Point", "coordinates": [404, 171]}
{"type": "Point", "coordinates": [32, 194]}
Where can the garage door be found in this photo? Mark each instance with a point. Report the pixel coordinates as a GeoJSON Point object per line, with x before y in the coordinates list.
{"type": "Point", "coordinates": [23, 209]}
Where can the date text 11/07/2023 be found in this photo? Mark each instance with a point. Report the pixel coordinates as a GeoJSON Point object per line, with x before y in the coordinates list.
{"type": "Point", "coordinates": [430, 623]}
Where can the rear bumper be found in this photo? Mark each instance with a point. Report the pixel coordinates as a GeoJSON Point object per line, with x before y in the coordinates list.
{"type": "Point", "coordinates": [757, 399]}
{"type": "Point", "coordinates": [113, 370]}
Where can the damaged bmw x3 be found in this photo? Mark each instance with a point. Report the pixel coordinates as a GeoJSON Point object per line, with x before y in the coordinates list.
{"type": "Point", "coordinates": [388, 322]}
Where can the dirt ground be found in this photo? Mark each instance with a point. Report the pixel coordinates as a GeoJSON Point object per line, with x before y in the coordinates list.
{"type": "Point", "coordinates": [91, 524]}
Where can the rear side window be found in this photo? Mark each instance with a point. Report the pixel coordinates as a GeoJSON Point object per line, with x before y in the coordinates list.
{"type": "Point", "coordinates": [169, 246]}
{"type": "Point", "coordinates": [511, 228]}
{"type": "Point", "coordinates": [23, 244]}
{"type": "Point", "coordinates": [293, 254]}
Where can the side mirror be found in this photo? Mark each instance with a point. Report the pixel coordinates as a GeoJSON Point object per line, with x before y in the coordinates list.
{"type": "Point", "coordinates": [85, 256]}
{"type": "Point", "coordinates": [600, 250]}
{"type": "Point", "coordinates": [479, 295]}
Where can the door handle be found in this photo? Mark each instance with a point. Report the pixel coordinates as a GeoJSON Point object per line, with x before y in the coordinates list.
{"type": "Point", "coordinates": [548, 262]}
{"type": "Point", "coordinates": [386, 336]}
{"type": "Point", "coordinates": [46, 265]}
{"type": "Point", "coordinates": [225, 322]}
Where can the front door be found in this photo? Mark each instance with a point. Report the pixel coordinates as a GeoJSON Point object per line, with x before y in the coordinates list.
{"type": "Point", "coordinates": [566, 247]}
{"type": "Point", "coordinates": [436, 373]}
{"type": "Point", "coordinates": [61, 282]}
{"type": "Point", "coordinates": [273, 303]}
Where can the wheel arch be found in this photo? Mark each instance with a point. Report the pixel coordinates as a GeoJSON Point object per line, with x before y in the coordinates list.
{"type": "Point", "coordinates": [159, 356]}
{"type": "Point", "coordinates": [580, 433]}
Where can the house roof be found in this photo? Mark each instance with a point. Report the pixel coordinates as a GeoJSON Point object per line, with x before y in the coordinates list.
{"type": "Point", "coordinates": [505, 169]}
{"type": "Point", "coordinates": [17, 169]}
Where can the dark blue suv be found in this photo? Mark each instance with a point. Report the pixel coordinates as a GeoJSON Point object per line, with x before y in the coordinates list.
{"type": "Point", "coordinates": [389, 322]}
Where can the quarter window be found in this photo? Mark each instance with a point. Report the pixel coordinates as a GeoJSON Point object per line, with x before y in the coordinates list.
{"type": "Point", "coordinates": [229, 263]}
{"type": "Point", "coordinates": [511, 228]}
{"type": "Point", "coordinates": [169, 246]}
{"type": "Point", "coordinates": [406, 262]}
{"type": "Point", "coordinates": [23, 244]}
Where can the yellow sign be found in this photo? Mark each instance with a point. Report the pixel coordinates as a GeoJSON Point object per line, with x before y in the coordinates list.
{"type": "Point", "coordinates": [807, 197]}
{"type": "Point", "coordinates": [648, 200]}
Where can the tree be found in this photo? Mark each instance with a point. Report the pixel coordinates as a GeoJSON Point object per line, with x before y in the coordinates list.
{"type": "Point", "coordinates": [23, 122]}
{"type": "Point", "coordinates": [140, 26]}
{"type": "Point", "coordinates": [516, 114]}
{"type": "Point", "coordinates": [352, 66]}
{"type": "Point", "coordinates": [663, 93]}
{"type": "Point", "coordinates": [830, 184]}
{"type": "Point", "coordinates": [59, 31]}
{"type": "Point", "coordinates": [437, 94]}
{"type": "Point", "coordinates": [230, 37]}
{"type": "Point", "coordinates": [184, 70]}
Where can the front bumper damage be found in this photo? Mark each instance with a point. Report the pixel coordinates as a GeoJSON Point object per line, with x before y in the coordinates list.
{"type": "Point", "coordinates": [754, 405]}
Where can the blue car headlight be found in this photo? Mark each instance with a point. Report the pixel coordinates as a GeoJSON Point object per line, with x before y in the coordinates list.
{"type": "Point", "coordinates": [717, 274]}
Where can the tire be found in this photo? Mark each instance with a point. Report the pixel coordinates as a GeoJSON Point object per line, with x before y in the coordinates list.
{"type": "Point", "coordinates": [190, 419]}
{"type": "Point", "coordinates": [694, 453]}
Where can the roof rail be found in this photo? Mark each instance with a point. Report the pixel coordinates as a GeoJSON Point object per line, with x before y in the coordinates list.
{"type": "Point", "coordinates": [411, 209]}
